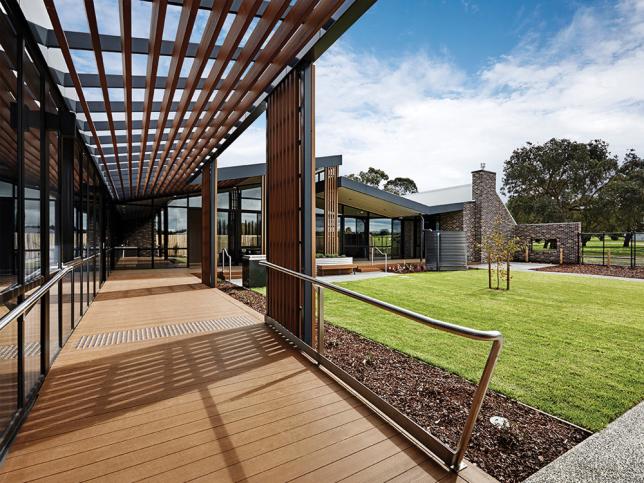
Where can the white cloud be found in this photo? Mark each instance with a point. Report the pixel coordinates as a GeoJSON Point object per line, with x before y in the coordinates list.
{"type": "Point", "coordinates": [425, 118]}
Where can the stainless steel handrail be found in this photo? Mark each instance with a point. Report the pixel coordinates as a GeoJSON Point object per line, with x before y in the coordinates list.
{"type": "Point", "coordinates": [224, 252]}
{"type": "Point", "coordinates": [27, 304]}
{"type": "Point", "coordinates": [381, 252]}
{"type": "Point", "coordinates": [493, 336]}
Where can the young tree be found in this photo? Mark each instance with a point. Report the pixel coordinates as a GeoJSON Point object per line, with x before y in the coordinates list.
{"type": "Point", "coordinates": [401, 186]}
{"type": "Point", "coordinates": [499, 249]}
{"type": "Point", "coordinates": [558, 180]}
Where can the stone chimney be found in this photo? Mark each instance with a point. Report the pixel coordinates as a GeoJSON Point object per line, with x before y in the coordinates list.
{"type": "Point", "coordinates": [485, 209]}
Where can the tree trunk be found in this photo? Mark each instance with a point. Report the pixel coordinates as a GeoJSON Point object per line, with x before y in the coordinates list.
{"type": "Point", "coordinates": [489, 271]}
{"type": "Point", "coordinates": [627, 239]}
{"type": "Point", "coordinates": [507, 285]}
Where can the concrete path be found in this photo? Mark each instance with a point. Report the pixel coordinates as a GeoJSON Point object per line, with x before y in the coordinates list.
{"type": "Point", "coordinates": [612, 455]}
{"type": "Point", "coordinates": [518, 266]}
{"type": "Point", "coordinates": [356, 276]}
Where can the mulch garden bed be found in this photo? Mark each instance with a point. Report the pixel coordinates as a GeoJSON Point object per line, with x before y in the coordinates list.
{"type": "Point", "coordinates": [439, 401]}
{"type": "Point", "coordinates": [254, 300]}
{"type": "Point", "coordinates": [637, 272]}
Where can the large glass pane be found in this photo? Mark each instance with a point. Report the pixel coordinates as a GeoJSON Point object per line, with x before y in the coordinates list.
{"type": "Point", "coordinates": [8, 367]}
{"type": "Point", "coordinates": [380, 235]}
{"type": "Point", "coordinates": [222, 230]}
{"type": "Point", "coordinates": [31, 347]}
{"type": "Point", "coordinates": [8, 167]}
{"type": "Point", "coordinates": [54, 237]}
{"type": "Point", "coordinates": [32, 100]}
{"type": "Point", "coordinates": [54, 344]}
{"type": "Point", "coordinates": [67, 306]}
{"type": "Point", "coordinates": [78, 296]}
{"type": "Point", "coordinates": [223, 200]}
{"type": "Point", "coordinates": [251, 199]}
{"type": "Point", "coordinates": [178, 234]}
{"type": "Point", "coordinates": [250, 230]}
{"type": "Point", "coordinates": [78, 231]}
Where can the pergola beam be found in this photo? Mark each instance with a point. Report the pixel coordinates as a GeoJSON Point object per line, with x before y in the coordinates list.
{"type": "Point", "coordinates": [55, 21]}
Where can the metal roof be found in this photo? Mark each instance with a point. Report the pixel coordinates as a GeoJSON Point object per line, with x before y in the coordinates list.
{"type": "Point", "coordinates": [443, 196]}
{"type": "Point", "coordinates": [151, 131]}
{"type": "Point", "coordinates": [381, 202]}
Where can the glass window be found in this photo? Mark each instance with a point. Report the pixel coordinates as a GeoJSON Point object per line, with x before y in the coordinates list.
{"type": "Point", "coordinates": [179, 202]}
{"type": "Point", "coordinates": [32, 100]}
{"type": "Point", "coordinates": [250, 230]}
{"type": "Point", "coordinates": [222, 230]}
{"type": "Point", "coordinates": [195, 201]}
{"type": "Point", "coordinates": [251, 199]}
{"type": "Point", "coordinates": [178, 234]}
{"type": "Point", "coordinates": [223, 200]}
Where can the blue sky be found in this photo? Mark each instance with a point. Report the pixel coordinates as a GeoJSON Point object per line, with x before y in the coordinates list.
{"type": "Point", "coordinates": [432, 89]}
{"type": "Point", "coordinates": [471, 33]}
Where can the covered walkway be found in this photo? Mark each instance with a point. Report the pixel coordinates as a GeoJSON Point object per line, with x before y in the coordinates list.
{"type": "Point", "coordinates": [169, 380]}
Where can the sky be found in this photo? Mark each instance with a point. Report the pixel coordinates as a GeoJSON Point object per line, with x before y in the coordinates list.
{"type": "Point", "coordinates": [431, 89]}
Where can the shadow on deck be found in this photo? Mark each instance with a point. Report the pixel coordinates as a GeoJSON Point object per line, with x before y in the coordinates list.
{"type": "Point", "coordinates": [226, 405]}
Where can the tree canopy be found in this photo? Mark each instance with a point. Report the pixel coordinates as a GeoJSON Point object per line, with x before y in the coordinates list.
{"type": "Point", "coordinates": [401, 186]}
{"type": "Point", "coordinates": [564, 180]}
{"type": "Point", "coordinates": [375, 177]}
{"type": "Point", "coordinates": [372, 177]}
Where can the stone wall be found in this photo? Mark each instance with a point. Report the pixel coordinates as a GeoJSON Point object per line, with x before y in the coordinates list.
{"type": "Point", "coordinates": [566, 234]}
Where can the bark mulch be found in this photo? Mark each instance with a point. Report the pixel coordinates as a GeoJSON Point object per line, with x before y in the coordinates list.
{"type": "Point", "coordinates": [637, 272]}
{"type": "Point", "coordinates": [254, 300]}
{"type": "Point", "coordinates": [439, 401]}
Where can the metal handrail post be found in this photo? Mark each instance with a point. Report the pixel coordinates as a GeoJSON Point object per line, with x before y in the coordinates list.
{"type": "Point", "coordinates": [477, 402]}
{"type": "Point", "coordinates": [320, 291]}
{"type": "Point", "coordinates": [455, 457]}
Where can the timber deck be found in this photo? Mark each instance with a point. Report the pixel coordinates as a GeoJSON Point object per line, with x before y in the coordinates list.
{"type": "Point", "coordinates": [168, 380]}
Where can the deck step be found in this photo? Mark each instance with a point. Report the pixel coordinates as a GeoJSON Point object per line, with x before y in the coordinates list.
{"type": "Point", "coordinates": [370, 268]}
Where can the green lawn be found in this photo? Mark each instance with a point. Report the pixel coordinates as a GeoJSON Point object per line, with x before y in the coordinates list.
{"type": "Point", "coordinates": [573, 345]}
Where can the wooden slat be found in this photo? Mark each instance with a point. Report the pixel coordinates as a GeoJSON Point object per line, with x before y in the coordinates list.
{"type": "Point", "coordinates": [257, 38]}
{"type": "Point", "coordinates": [62, 42]}
{"type": "Point", "coordinates": [331, 210]}
{"type": "Point", "coordinates": [157, 21]}
{"type": "Point", "coordinates": [259, 77]}
{"type": "Point", "coordinates": [209, 37]}
{"type": "Point", "coordinates": [184, 30]}
{"type": "Point", "coordinates": [125, 18]}
{"type": "Point", "coordinates": [98, 55]}
{"type": "Point", "coordinates": [233, 39]}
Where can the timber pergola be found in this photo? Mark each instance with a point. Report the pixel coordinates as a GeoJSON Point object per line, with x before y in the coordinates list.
{"type": "Point", "coordinates": [151, 134]}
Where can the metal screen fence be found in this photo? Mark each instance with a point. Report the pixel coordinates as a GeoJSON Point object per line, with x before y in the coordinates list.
{"type": "Point", "coordinates": [612, 249]}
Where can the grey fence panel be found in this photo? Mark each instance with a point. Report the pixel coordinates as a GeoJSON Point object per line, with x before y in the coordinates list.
{"type": "Point", "coordinates": [445, 250]}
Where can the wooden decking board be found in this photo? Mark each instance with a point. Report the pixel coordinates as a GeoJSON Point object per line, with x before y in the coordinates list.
{"type": "Point", "coordinates": [389, 467]}
{"type": "Point", "coordinates": [255, 441]}
{"type": "Point", "coordinates": [36, 455]}
{"type": "Point", "coordinates": [221, 406]}
{"type": "Point", "coordinates": [261, 386]}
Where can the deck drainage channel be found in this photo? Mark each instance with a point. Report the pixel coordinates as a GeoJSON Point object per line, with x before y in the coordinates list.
{"type": "Point", "coordinates": [106, 339]}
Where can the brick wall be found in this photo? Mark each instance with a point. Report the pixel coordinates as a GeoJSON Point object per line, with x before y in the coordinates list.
{"type": "Point", "coordinates": [469, 227]}
{"type": "Point", "coordinates": [566, 234]}
{"type": "Point", "coordinates": [452, 221]}
{"type": "Point", "coordinates": [487, 208]}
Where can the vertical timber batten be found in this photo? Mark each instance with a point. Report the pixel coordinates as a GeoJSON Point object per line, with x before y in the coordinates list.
{"type": "Point", "coordinates": [290, 171]}
{"type": "Point", "coordinates": [331, 211]}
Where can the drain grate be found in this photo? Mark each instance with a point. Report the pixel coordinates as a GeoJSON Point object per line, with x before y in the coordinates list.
{"type": "Point", "coordinates": [171, 330]}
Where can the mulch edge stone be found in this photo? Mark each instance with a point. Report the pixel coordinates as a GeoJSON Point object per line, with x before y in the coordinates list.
{"type": "Point", "coordinates": [439, 401]}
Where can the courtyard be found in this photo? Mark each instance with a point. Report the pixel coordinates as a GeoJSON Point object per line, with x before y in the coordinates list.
{"type": "Point", "coordinates": [571, 343]}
